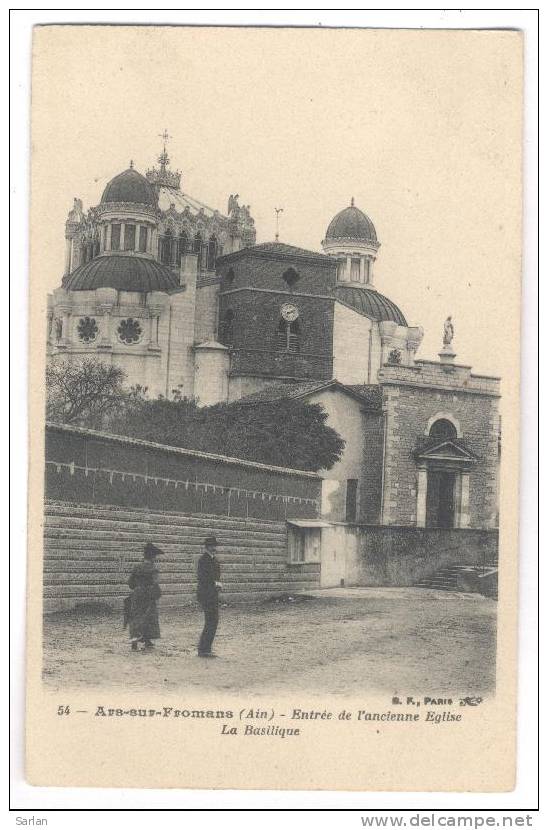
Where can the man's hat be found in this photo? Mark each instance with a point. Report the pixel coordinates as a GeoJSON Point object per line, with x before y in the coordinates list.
{"type": "Point", "coordinates": [211, 541]}
{"type": "Point", "coordinates": [151, 551]}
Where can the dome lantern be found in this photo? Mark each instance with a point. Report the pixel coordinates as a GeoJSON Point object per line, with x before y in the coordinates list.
{"type": "Point", "coordinates": [127, 214]}
{"type": "Point", "coordinates": [352, 239]}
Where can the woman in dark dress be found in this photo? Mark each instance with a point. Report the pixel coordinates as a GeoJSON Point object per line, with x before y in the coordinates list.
{"type": "Point", "coordinates": [142, 607]}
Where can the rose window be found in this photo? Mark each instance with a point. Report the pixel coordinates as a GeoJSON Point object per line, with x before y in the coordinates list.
{"type": "Point", "coordinates": [87, 329]}
{"type": "Point", "coordinates": [130, 331]}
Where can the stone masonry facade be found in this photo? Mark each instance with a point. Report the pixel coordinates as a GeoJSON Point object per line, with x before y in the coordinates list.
{"type": "Point", "coordinates": [371, 478]}
{"type": "Point", "coordinates": [413, 398]}
{"type": "Point", "coordinates": [254, 288]}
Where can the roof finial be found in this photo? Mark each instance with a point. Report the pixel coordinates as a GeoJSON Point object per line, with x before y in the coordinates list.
{"type": "Point", "coordinates": [278, 211]}
{"type": "Point", "coordinates": [164, 177]}
{"type": "Point", "coordinates": [131, 164]}
{"type": "Point", "coordinates": [352, 202]}
{"type": "Point", "coordinates": [164, 158]}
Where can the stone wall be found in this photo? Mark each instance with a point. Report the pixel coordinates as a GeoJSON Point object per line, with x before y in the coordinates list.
{"type": "Point", "coordinates": [88, 467]}
{"type": "Point", "coordinates": [89, 552]}
{"type": "Point", "coordinates": [402, 556]}
{"type": "Point", "coordinates": [106, 496]}
{"type": "Point", "coordinates": [372, 461]}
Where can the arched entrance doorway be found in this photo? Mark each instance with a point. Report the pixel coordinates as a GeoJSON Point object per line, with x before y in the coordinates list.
{"type": "Point", "coordinates": [443, 477]}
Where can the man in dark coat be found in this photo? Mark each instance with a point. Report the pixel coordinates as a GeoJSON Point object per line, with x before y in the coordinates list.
{"type": "Point", "coordinates": [209, 585]}
{"type": "Point", "coordinates": [141, 609]}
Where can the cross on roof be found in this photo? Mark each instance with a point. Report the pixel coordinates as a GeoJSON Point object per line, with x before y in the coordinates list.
{"type": "Point", "coordinates": [278, 211]}
{"type": "Point", "coordinates": [164, 158]}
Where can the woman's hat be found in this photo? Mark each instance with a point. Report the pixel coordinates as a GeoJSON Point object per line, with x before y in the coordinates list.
{"type": "Point", "coordinates": [151, 551]}
{"type": "Point", "coordinates": [211, 542]}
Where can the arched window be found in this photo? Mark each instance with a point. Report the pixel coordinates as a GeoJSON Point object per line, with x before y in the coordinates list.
{"type": "Point", "coordinates": [197, 249]}
{"type": "Point", "coordinates": [288, 336]}
{"type": "Point", "coordinates": [443, 429]}
{"type": "Point", "coordinates": [291, 277]}
{"type": "Point", "coordinates": [226, 328]}
{"type": "Point", "coordinates": [166, 248]}
{"type": "Point", "coordinates": [211, 253]}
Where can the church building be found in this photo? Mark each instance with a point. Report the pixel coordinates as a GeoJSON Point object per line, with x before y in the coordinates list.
{"type": "Point", "coordinates": [182, 298]}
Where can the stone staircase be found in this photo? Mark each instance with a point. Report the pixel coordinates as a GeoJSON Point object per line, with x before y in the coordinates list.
{"type": "Point", "coordinates": [465, 578]}
{"type": "Point", "coordinates": [90, 550]}
{"type": "Point", "coordinates": [443, 580]}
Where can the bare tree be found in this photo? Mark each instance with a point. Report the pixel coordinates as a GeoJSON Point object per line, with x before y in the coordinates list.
{"type": "Point", "coordinates": [83, 392]}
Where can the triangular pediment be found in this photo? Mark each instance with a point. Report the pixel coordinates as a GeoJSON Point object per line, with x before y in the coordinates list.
{"type": "Point", "coordinates": [447, 449]}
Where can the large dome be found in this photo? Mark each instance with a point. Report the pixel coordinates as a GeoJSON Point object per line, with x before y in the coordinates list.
{"type": "Point", "coordinates": [351, 223]}
{"type": "Point", "coordinates": [129, 186]}
{"type": "Point", "coordinates": [370, 303]}
{"type": "Point", "coordinates": [124, 273]}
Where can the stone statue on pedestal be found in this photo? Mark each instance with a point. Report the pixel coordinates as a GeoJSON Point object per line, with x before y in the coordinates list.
{"type": "Point", "coordinates": [447, 355]}
{"type": "Point", "coordinates": [448, 332]}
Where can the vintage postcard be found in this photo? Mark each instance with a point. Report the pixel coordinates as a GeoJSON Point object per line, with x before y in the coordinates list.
{"type": "Point", "coordinates": [275, 344]}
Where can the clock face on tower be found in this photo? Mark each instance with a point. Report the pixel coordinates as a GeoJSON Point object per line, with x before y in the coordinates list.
{"type": "Point", "coordinates": [289, 312]}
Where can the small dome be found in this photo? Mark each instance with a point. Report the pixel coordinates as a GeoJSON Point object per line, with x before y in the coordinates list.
{"type": "Point", "coordinates": [129, 186]}
{"type": "Point", "coordinates": [370, 303]}
{"type": "Point", "coordinates": [351, 223]}
{"type": "Point", "coordinates": [124, 273]}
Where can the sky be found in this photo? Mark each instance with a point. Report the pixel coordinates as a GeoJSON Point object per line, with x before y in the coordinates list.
{"type": "Point", "coordinates": [422, 128]}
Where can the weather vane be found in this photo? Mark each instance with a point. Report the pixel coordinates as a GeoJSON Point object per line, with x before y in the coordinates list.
{"type": "Point", "coordinates": [278, 211]}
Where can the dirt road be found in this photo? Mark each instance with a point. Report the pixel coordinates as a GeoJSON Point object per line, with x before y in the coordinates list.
{"type": "Point", "coordinates": [340, 641]}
